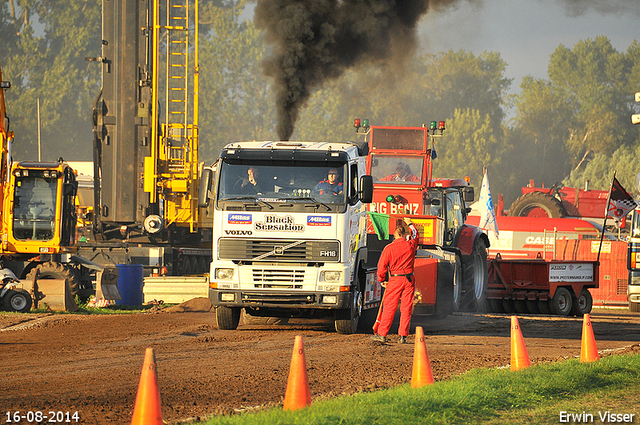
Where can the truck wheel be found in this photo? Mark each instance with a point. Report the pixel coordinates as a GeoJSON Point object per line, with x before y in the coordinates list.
{"type": "Point", "coordinates": [475, 274]}
{"type": "Point", "coordinates": [536, 204]}
{"type": "Point", "coordinates": [347, 320]}
{"type": "Point", "coordinates": [17, 300]}
{"type": "Point", "coordinates": [582, 304]}
{"type": "Point", "coordinates": [53, 270]}
{"type": "Point", "coordinates": [561, 303]}
{"type": "Point", "coordinates": [228, 317]}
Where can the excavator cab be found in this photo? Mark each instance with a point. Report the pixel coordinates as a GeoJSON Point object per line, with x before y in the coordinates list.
{"type": "Point", "coordinates": [42, 216]}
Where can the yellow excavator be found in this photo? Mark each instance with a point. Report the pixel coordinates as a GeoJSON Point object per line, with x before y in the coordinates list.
{"type": "Point", "coordinates": [37, 226]}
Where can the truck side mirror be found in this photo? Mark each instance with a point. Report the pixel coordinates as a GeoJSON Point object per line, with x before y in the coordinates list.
{"type": "Point", "coordinates": [366, 189]}
{"type": "Point", "coordinates": [205, 186]}
{"type": "Point", "coordinates": [468, 194]}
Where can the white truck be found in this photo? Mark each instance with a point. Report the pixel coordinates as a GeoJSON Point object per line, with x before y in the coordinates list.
{"type": "Point", "coordinates": [287, 246]}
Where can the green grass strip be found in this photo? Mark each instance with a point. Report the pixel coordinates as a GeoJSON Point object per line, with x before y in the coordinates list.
{"type": "Point", "coordinates": [497, 396]}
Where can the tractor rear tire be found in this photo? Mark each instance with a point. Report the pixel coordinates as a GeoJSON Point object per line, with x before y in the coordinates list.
{"type": "Point", "coordinates": [475, 279]}
{"type": "Point", "coordinates": [537, 204]}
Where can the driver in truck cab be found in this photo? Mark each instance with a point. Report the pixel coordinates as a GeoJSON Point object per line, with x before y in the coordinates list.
{"type": "Point", "coordinates": [331, 185]}
{"type": "Point", "coordinates": [251, 184]}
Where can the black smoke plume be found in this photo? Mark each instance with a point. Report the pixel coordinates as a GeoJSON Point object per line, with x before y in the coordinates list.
{"type": "Point", "coordinates": [314, 41]}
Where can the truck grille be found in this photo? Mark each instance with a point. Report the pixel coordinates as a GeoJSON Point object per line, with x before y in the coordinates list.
{"type": "Point", "coordinates": [278, 250]}
{"type": "Point", "coordinates": [278, 276]}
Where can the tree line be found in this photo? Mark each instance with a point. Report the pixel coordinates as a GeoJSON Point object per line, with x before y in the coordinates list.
{"type": "Point", "coordinates": [570, 128]}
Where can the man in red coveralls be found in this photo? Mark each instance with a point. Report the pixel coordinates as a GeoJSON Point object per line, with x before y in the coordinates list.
{"type": "Point", "coordinates": [398, 258]}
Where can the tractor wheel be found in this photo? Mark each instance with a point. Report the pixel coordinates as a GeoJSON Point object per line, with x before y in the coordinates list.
{"type": "Point", "coordinates": [53, 270]}
{"type": "Point", "coordinates": [475, 279]}
{"type": "Point", "coordinates": [537, 204]}
{"type": "Point", "coordinates": [562, 302]}
{"type": "Point", "coordinates": [582, 304]}
{"type": "Point", "coordinates": [17, 300]}
{"type": "Point", "coordinates": [228, 317]}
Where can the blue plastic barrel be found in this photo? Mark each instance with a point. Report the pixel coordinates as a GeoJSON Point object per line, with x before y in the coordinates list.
{"type": "Point", "coordinates": [130, 283]}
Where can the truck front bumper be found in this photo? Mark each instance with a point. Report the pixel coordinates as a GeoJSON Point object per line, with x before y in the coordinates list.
{"type": "Point", "coordinates": [281, 300]}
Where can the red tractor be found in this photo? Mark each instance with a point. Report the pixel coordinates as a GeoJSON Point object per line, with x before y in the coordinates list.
{"type": "Point", "coordinates": [451, 263]}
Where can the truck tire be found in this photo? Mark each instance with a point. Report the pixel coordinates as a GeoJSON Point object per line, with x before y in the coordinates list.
{"type": "Point", "coordinates": [228, 317]}
{"type": "Point", "coordinates": [17, 300]}
{"type": "Point", "coordinates": [475, 275]}
{"type": "Point", "coordinates": [562, 302]}
{"type": "Point", "coordinates": [582, 304]}
{"type": "Point", "coordinates": [53, 270]}
{"type": "Point", "coordinates": [347, 320]}
{"type": "Point", "coordinates": [536, 204]}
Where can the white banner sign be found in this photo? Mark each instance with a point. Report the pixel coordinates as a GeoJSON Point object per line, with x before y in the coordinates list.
{"type": "Point", "coordinates": [571, 272]}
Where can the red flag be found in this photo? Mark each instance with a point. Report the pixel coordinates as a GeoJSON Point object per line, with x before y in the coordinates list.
{"type": "Point", "coordinates": [620, 202]}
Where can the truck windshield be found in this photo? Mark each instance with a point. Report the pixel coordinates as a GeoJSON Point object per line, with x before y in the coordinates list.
{"type": "Point", "coordinates": [34, 209]}
{"type": "Point", "coordinates": [283, 186]}
{"type": "Point", "coordinates": [396, 169]}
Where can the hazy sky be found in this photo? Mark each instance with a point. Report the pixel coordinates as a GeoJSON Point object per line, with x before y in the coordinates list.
{"type": "Point", "coordinates": [527, 32]}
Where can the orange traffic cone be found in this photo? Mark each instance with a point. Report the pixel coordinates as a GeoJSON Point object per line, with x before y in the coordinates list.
{"type": "Point", "coordinates": [588, 351]}
{"type": "Point", "coordinates": [297, 395]}
{"type": "Point", "coordinates": [422, 374]}
{"type": "Point", "coordinates": [519, 355]}
{"type": "Point", "coordinates": [147, 410]}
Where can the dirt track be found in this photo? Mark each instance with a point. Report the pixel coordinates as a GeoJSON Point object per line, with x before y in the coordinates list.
{"type": "Point", "coordinates": [91, 364]}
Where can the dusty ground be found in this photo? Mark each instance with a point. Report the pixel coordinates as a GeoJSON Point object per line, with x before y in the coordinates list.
{"type": "Point", "coordinates": [91, 364]}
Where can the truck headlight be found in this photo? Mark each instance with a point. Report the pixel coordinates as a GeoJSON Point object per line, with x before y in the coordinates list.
{"type": "Point", "coordinates": [224, 274]}
{"type": "Point", "coordinates": [332, 276]}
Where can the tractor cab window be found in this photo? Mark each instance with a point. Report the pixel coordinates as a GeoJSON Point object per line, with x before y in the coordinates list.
{"type": "Point", "coordinates": [405, 170]}
{"type": "Point", "coordinates": [34, 208]}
